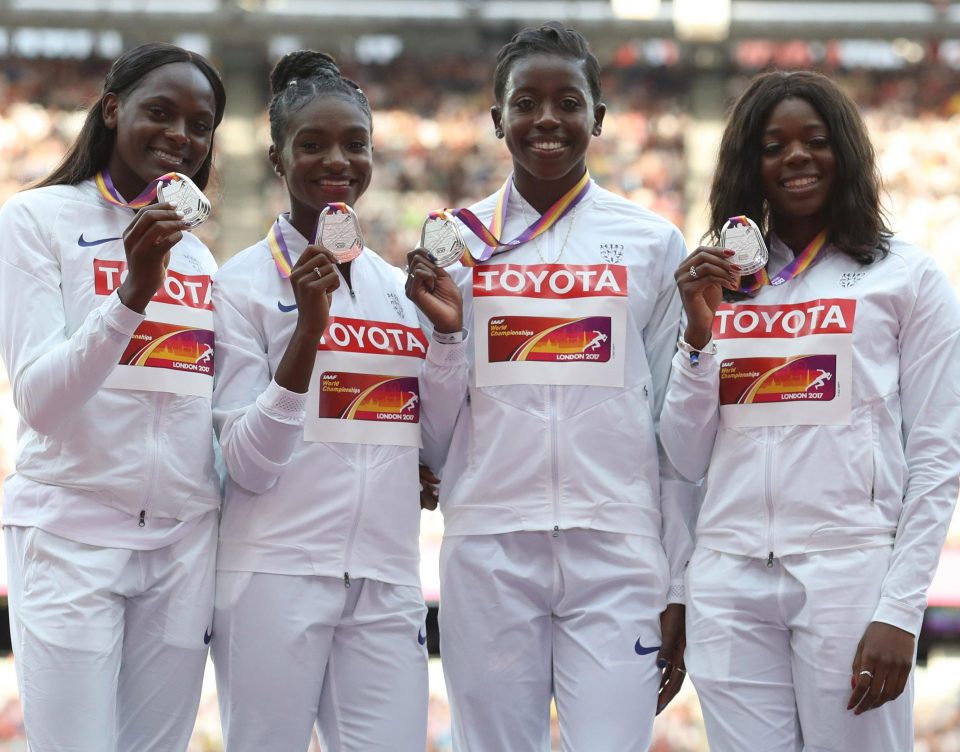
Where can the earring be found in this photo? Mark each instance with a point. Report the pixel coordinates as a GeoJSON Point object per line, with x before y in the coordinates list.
{"type": "Point", "coordinates": [498, 133]}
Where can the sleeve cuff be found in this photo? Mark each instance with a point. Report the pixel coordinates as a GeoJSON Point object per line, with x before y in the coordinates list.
{"type": "Point", "coordinates": [448, 353]}
{"type": "Point", "coordinates": [120, 318]}
{"type": "Point", "coordinates": [899, 615]}
{"type": "Point", "coordinates": [677, 593]}
{"type": "Point", "coordinates": [282, 405]}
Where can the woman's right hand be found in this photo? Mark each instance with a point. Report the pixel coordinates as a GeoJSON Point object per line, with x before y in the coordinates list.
{"type": "Point", "coordinates": [701, 279]}
{"type": "Point", "coordinates": [147, 242]}
{"type": "Point", "coordinates": [314, 278]}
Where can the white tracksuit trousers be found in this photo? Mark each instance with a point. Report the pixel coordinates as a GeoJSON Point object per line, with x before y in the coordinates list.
{"type": "Point", "coordinates": [291, 651]}
{"type": "Point", "coordinates": [526, 615]}
{"type": "Point", "coordinates": [109, 643]}
{"type": "Point", "coordinates": [770, 651]}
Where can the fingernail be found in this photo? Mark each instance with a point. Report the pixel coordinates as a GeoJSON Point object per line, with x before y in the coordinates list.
{"type": "Point", "coordinates": [727, 252]}
{"type": "Point", "coordinates": [180, 214]}
{"type": "Point", "coordinates": [661, 663]}
{"type": "Point", "coordinates": [736, 266]}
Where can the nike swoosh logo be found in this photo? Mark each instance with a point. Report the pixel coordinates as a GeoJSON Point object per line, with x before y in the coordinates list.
{"type": "Point", "coordinates": [641, 650]}
{"type": "Point", "coordinates": [90, 243]}
{"type": "Point", "coordinates": [421, 637]}
{"type": "Point", "coordinates": [286, 308]}
{"type": "Point", "coordinates": [207, 634]}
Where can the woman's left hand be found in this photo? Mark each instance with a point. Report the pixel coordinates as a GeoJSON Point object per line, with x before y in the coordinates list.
{"type": "Point", "coordinates": [881, 666]}
{"type": "Point", "coordinates": [670, 658]}
{"type": "Point", "coordinates": [434, 292]}
{"type": "Point", "coordinates": [429, 489]}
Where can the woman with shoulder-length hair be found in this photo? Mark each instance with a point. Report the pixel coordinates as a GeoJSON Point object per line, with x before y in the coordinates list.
{"type": "Point", "coordinates": [815, 395]}
{"type": "Point", "coordinates": [110, 517]}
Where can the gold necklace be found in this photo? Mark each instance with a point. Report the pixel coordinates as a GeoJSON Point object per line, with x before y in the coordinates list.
{"type": "Point", "coordinates": [536, 240]}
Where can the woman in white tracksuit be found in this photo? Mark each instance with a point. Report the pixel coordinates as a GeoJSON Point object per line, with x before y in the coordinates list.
{"type": "Point", "coordinates": [820, 404]}
{"type": "Point", "coordinates": [110, 518]}
{"type": "Point", "coordinates": [554, 576]}
{"type": "Point", "coordinates": [324, 378]}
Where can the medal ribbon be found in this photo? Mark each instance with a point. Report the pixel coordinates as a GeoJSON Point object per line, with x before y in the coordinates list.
{"type": "Point", "coordinates": [279, 250]}
{"type": "Point", "coordinates": [278, 246]}
{"type": "Point", "coordinates": [796, 267]}
{"type": "Point", "coordinates": [146, 197]}
{"type": "Point", "coordinates": [491, 236]}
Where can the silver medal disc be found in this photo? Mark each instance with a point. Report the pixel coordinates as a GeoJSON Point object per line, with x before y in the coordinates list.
{"type": "Point", "coordinates": [339, 232]}
{"type": "Point", "coordinates": [747, 243]}
{"type": "Point", "coordinates": [186, 198]}
{"type": "Point", "coordinates": [441, 238]}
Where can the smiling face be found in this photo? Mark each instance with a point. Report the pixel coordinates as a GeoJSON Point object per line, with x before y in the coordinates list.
{"type": "Point", "coordinates": [547, 117]}
{"type": "Point", "coordinates": [797, 169]}
{"type": "Point", "coordinates": [164, 124]}
{"type": "Point", "coordinates": [326, 157]}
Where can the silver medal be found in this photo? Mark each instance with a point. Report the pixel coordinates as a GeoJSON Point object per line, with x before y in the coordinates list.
{"type": "Point", "coordinates": [441, 238]}
{"type": "Point", "coordinates": [186, 198]}
{"type": "Point", "coordinates": [339, 232]}
{"type": "Point", "coordinates": [746, 242]}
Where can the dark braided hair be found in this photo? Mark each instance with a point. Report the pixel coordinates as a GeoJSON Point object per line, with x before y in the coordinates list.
{"type": "Point", "coordinates": [300, 77]}
{"type": "Point", "coordinates": [551, 39]}
{"type": "Point", "coordinates": [93, 147]}
{"type": "Point", "coordinates": [855, 218]}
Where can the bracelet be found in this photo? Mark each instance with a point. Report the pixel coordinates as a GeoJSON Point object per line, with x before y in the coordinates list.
{"type": "Point", "coordinates": [450, 338]}
{"type": "Point", "coordinates": [709, 349]}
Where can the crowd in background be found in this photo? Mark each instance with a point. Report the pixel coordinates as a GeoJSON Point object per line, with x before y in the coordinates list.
{"type": "Point", "coordinates": [435, 148]}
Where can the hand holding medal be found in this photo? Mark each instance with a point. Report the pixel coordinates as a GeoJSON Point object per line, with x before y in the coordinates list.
{"type": "Point", "coordinates": [703, 276]}
{"type": "Point", "coordinates": [434, 292]}
{"type": "Point", "coordinates": [169, 205]}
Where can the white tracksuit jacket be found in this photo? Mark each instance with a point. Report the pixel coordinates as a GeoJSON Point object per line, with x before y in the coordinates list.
{"type": "Point", "coordinates": [62, 332]}
{"type": "Point", "coordinates": [548, 457]}
{"type": "Point", "coordinates": [299, 507]}
{"type": "Point", "coordinates": [889, 477]}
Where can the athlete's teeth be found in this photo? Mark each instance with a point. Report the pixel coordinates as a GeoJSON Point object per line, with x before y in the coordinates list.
{"type": "Point", "coordinates": [167, 155]}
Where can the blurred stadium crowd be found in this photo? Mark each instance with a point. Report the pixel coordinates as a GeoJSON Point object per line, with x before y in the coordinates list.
{"type": "Point", "coordinates": [435, 147]}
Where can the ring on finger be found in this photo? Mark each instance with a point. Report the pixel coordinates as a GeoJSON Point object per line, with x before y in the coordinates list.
{"type": "Point", "coordinates": [866, 673]}
{"type": "Point", "coordinates": [319, 273]}
{"type": "Point", "coordinates": [681, 670]}
{"type": "Point", "coordinates": [693, 272]}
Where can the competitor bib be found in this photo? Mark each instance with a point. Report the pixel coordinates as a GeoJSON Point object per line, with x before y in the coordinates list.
{"type": "Point", "coordinates": [365, 387]}
{"type": "Point", "coordinates": [172, 349]}
{"type": "Point", "coordinates": [784, 365]}
{"type": "Point", "coordinates": [550, 324]}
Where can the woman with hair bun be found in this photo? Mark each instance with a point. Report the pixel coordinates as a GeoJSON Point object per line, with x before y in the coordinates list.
{"type": "Point", "coordinates": [324, 379]}
{"type": "Point", "coordinates": [110, 518]}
